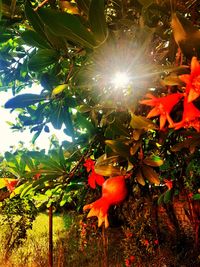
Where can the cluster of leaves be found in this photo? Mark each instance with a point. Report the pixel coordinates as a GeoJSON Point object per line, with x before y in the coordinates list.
{"type": "Point", "coordinates": [72, 49]}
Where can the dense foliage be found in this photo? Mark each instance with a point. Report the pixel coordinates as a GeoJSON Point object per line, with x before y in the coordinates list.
{"type": "Point", "coordinates": [145, 130]}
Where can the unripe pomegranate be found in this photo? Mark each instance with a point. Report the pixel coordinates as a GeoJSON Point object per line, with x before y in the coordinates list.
{"type": "Point", "coordinates": [114, 191]}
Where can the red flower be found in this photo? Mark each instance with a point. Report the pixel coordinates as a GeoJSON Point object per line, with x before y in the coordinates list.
{"type": "Point", "coordinates": [192, 80]}
{"type": "Point", "coordinates": [132, 258]}
{"type": "Point", "coordinates": [114, 191]}
{"type": "Point", "coordinates": [94, 179]}
{"type": "Point", "coordinates": [156, 242]}
{"type": "Point", "coordinates": [128, 234]}
{"type": "Point", "coordinates": [162, 107]}
{"type": "Point", "coordinates": [89, 164]}
{"type": "Point", "coordinates": [146, 242]}
{"type": "Point", "coordinates": [169, 184]}
{"type": "Point", "coordinates": [11, 184]}
{"type": "Point", "coordinates": [190, 195]}
{"type": "Point", "coordinates": [191, 117]}
{"type": "Point", "coordinates": [127, 263]}
{"type": "Point", "coordinates": [36, 176]}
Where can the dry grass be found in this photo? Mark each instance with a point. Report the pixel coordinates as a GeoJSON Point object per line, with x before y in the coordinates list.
{"type": "Point", "coordinates": [66, 239]}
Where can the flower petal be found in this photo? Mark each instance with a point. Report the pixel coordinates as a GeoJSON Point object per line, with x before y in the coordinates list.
{"type": "Point", "coordinates": [163, 119]}
{"type": "Point", "coordinates": [185, 78]}
{"type": "Point", "coordinates": [194, 65]}
{"type": "Point", "coordinates": [99, 179]}
{"type": "Point", "coordinates": [99, 208]}
{"type": "Point", "coordinates": [193, 94]}
{"type": "Point", "coordinates": [92, 181]}
{"type": "Point", "coordinates": [153, 113]}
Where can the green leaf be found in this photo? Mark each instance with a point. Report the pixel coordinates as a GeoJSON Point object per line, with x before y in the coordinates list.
{"type": "Point", "coordinates": [69, 124]}
{"type": "Point", "coordinates": [118, 127]}
{"type": "Point", "coordinates": [134, 148]}
{"type": "Point", "coordinates": [64, 199]}
{"type": "Point", "coordinates": [140, 122]}
{"type": "Point", "coordinates": [103, 160]}
{"type": "Point", "coordinates": [109, 170]}
{"type": "Point", "coordinates": [84, 5]}
{"type": "Point", "coordinates": [21, 101]}
{"type": "Point", "coordinates": [68, 26]}
{"type": "Point", "coordinates": [42, 59]}
{"type": "Point", "coordinates": [153, 161]}
{"type": "Point", "coordinates": [18, 190]}
{"type": "Point", "coordinates": [119, 147]}
{"type": "Point", "coordinates": [196, 196]}
{"type": "Point", "coordinates": [33, 39]}
{"type": "Point", "coordinates": [0, 9]}
{"type": "Point", "coordinates": [35, 136]}
{"type": "Point", "coordinates": [85, 123]}
{"type": "Point", "coordinates": [28, 162]}
{"type": "Point", "coordinates": [171, 80]}
{"type": "Point", "coordinates": [97, 20]}
{"type": "Point", "coordinates": [161, 199]}
{"type": "Point", "coordinates": [186, 35]}
{"type": "Point", "coordinates": [167, 196]}
{"type": "Point", "coordinates": [57, 116]}
{"type": "Point", "coordinates": [139, 178]}
{"type": "Point", "coordinates": [33, 185]}
{"type": "Point", "coordinates": [150, 175]}
{"type": "Point", "coordinates": [34, 20]}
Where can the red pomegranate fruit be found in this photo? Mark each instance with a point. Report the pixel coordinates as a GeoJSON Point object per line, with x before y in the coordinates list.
{"type": "Point", "coordinates": [114, 191]}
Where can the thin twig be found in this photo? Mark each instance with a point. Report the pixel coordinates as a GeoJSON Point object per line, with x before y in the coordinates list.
{"type": "Point", "coordinates": [41, 5]}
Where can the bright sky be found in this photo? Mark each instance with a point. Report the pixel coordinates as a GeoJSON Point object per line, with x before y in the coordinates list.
{"type": "Point", "coordinates": [11, 138]}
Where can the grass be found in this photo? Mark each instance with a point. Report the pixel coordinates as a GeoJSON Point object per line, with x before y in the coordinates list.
{"type": "Point", "coordinates": [66, 239]}
{"type": "Point", "coordinates": [34, 251]}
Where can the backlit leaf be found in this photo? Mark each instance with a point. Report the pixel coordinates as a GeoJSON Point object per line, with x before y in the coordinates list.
{"type": "Point", "coordinates": [108, 170]}
{"type": "Point", "coordinates": [68, 26]}
{"type": "Point", "coordinates": [140, 122]}
{"type": "Point", "coordinates": [154, 161]}
{"type": "Point", "coordinates": [150, 175]}
{"type": "Point", "coordinates": [119, 147]}
{"type": "Point", "coordinates": [97, 20]}
{"type": "Point", "coordinates": [58, 89]}
{"type": "Point", "coordinates": [140, 178]}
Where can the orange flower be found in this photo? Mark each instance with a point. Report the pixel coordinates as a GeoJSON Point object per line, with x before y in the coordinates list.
{"type": "Point", "coordinates": [169, 184]}
{"type": "Point", "coordinates": [94, 179]}
{"type": "Point", "coordinates": [191, 117]}
{"type": "Point", "coordinates": [162, 107]}
{"type": "Point", "coordinates": [114, 191]}
{"type": "Point", "coordinates": [192, 80]}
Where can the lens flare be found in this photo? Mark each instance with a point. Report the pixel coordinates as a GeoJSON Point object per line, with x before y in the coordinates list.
{"type": "Point", "coordinates": [120, 79]}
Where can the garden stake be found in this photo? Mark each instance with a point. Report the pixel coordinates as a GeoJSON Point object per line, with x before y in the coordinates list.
{"type": "Point", "coordinates": [51, 236]}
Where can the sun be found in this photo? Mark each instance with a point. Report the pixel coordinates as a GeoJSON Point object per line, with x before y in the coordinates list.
{"type": "Point", "coordinates": [120, 79]}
